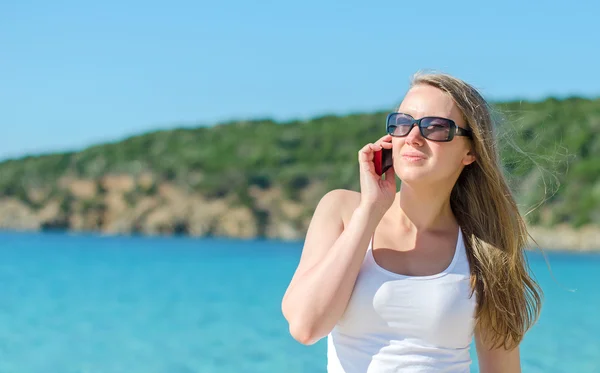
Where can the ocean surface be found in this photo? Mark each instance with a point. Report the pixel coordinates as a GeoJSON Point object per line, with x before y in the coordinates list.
{"type": "Point", "coordinates": [89, 304]}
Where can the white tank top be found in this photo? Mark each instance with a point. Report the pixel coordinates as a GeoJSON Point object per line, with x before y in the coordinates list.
{"type": "Point", "coordinates": [408, 324]}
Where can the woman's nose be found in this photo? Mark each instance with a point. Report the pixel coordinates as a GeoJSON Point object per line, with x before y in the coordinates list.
{"type": "Point", "coordinates": [414, 136]}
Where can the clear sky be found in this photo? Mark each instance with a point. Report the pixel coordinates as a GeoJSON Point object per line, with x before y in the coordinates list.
{"type": "Point", "coordinates": [77, 73]}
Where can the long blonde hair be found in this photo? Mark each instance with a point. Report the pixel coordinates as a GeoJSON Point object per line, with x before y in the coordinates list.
{"type": "Point", "coordinates": [509, 300]}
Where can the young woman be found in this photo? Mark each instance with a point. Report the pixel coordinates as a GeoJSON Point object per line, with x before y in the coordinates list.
{"type": "Point", "coordinates": [403, 281]}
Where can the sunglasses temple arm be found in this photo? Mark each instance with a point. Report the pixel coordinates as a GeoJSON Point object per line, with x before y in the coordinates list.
{"type": "Point", "coordinates": [462, 132]}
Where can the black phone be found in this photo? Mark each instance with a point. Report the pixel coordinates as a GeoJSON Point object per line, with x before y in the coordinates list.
{"type": "Point", "coordinates": [383, 161]}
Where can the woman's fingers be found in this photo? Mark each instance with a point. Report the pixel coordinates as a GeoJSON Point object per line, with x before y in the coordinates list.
{"type": "Point", "coordinates": [366, 153]}
{"type": "Point", "coordinates": [375, 147]}
{"type": "Point", "coordinates": [366, 156]}
{"type": "Point", "coordinates": [385, 142]}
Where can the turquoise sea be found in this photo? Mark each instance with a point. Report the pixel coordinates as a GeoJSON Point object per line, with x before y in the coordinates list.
{"type": "Point", "coordinates": [90, 304]}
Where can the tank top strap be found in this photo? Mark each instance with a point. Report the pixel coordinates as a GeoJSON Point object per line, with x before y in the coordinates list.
{"type": "Point", "coordinates": [369, 247]}
{"type": "Point", "coordinates": [462, 257]}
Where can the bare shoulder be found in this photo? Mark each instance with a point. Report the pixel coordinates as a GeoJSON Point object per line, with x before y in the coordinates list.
{"type": "Point", "coordinates": [338, 204]}
{"type": "Point", "coordinates": [330, 217]}
{"type": "Point", "coordinates": [348, 201]}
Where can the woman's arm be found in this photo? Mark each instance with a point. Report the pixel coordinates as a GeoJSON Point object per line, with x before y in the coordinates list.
{"type": "Point", "coordinates": [497, 360]}
{"type": "Point", "coordinates": [319, 291]}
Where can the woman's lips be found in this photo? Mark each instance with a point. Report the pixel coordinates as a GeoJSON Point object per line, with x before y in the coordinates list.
{"type": "Point", "coordinates": [413, 157]}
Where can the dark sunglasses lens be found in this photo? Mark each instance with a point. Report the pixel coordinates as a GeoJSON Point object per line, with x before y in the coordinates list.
{"type": "Point", "coordinates": [436, 129]}
{"type": "Point", "coordinates": [399, 124]}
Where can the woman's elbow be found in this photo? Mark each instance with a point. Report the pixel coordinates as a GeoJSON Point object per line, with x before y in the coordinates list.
{"type": "Point", "coordinates": [301, 330]}
{"type": "Point", "coordinates": [303, 333]}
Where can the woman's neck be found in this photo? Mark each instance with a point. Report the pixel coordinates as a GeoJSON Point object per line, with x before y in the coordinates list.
{"type": "Point", "coordinates": [424, 208]}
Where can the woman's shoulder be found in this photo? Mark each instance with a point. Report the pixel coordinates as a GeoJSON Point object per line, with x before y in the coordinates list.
{"type": "Point", "coordinates": [343, 201]}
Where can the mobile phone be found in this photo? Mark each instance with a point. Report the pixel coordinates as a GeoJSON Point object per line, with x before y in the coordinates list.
{"type": "Point", "coordinates": [383, 161]}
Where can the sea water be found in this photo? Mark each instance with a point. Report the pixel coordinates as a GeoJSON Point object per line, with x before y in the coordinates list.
{"type": "Point", "coordinates": [86, 303]}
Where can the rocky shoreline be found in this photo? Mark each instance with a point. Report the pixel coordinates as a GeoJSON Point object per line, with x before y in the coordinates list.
{"type": "Point", "coordinates": [122, 204]}
{"type": "Point", "coordinates": [565, 238]}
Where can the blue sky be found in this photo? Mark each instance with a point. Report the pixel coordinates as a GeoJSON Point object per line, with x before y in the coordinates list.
{"type": "Point", "coordinates": [73, 74]}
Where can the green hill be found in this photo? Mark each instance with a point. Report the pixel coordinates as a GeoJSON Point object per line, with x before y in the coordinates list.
{"type": "Point", "coordinates": [555, 158]}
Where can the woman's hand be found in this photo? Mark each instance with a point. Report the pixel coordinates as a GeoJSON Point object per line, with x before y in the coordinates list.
{"type": "Point", "coordinates": [376, 193]}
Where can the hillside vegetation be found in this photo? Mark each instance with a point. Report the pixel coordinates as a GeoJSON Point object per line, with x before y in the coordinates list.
{"type": "Point", "coordinates": [549, 149]}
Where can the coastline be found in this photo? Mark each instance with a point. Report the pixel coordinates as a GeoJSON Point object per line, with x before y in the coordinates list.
{"type": "Point", "coordinates": [115, 205]}
{"type": "Point", "coordinates": [565, 238]}
{"type": "Point", "coordinates": [560, 238]}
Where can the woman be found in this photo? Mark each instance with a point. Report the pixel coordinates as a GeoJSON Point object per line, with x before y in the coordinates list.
{"type": "Point", "coordinates": [403, 281]}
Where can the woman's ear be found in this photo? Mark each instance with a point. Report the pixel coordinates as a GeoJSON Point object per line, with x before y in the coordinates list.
{"type": "Point", "coordinates": [469, 158]}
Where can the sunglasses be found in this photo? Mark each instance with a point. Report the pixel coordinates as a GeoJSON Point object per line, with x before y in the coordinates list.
{"type": "Point", "coordinates": [432, 128]}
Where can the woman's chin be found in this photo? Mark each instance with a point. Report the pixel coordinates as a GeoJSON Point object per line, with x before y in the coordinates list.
{"type": "Point", "coordinates": [413, 174]}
